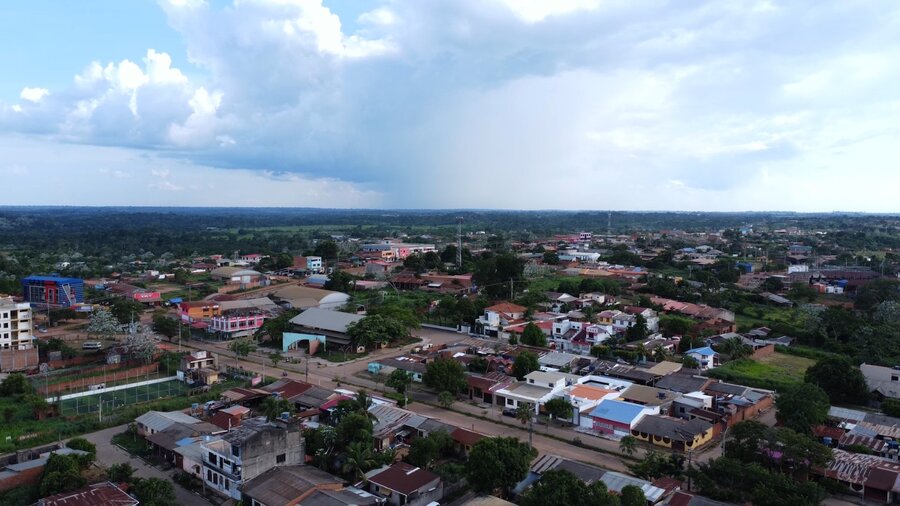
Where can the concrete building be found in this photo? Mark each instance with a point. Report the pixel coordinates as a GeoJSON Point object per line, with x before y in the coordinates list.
{"type": "Point", "coordinates": [404, 484]}
{"type": "Point", "coordinates": [15, 325]}
{"type": "Point", "coordinates": [248, 451]}
{"type": "Point", "coordinates": [305, 297]}
{"type": "Point", "coordinates": [53, 291]}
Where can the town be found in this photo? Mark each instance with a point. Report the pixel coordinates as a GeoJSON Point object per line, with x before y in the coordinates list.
{"type": "Point", "coordinates": [474, 359]}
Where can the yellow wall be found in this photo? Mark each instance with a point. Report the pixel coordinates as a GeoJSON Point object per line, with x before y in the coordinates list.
{"type": "Point", "coordinates": [700, 440]}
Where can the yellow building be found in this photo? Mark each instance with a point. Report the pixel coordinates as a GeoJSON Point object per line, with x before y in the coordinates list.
{"type": "Point", "coordinates": [674, 433]}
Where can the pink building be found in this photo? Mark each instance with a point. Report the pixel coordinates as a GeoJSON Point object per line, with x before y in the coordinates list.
{"type": "Point", "coordinates": [236, 325]}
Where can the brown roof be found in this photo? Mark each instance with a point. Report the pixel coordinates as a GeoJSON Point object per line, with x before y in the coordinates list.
{"type": "Point", "coordinates": [466, 437]}
{"type": "Point", "coordinates": [403, 478]}
{"type": "Point", "coordinates": [98, 494]}
{"type": "Point", "coordinates": [288, 388]}
{"type": "Point", "coordinates": [224, 420]}
{"type": "Point", "coordinates": [507, 307]}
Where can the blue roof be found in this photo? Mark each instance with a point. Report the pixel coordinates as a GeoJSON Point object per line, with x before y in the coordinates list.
{"type": "Point", "coordinates": [58, 279]}
{"type": "Point", "coordinates": [617, 411]}
{"type": "Point", "coordinates": [706, 351]}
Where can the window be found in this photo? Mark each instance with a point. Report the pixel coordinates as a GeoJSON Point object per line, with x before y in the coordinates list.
{"type": "Point", "coordinates": [236, 451]}
{"type": "Point", "coordinates": [894, 377]}
{"type": "Point", "coordinates": [212, 459]}
{"type": "Point", "coordinates": [208, 475]}
{"type": "Point", "coordinates": [280, 459]}
{"type": "Point", "coordinates": [227, 483]}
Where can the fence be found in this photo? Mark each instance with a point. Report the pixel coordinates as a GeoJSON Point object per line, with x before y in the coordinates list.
{"type": "Point", "coordinates": [123, 395]}
{"type": "Point", "coordinates": [86, 382]}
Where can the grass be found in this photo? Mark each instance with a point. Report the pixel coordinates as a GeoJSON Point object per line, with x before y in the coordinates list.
{"type": "Point", "coordinates": [777, 371]}
{"type": "Point", "coordinates": [112, 400]}
{"type": "Point", "coordinates": [549, 283]}
{"type": "Point", "coordinates": [132, 443]}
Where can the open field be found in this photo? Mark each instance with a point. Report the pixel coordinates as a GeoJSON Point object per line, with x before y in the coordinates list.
{"type": "Point", "coordinates": [119, 398]}
{"type": "Point", "coordinates": [776, 372]}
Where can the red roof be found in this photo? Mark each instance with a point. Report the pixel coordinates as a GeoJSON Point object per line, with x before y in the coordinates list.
{"type": "Point", "coordinates": [507, 307]}
{"type": "Point", "coordinates": [224, 420]}
{"type": "Point", "coordinates": [98, 494]}
{"type": "Point", "coordinates": [288, 388]}
{"type": "Point", "coordinates": [466, 437]}
{"type": "Point", "coordinates": [403, 478]}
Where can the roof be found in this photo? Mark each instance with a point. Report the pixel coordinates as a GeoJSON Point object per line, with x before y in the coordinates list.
{"type": "Point", "coordinates": [676, 429]}
{"type": "Point", "coordinates": [387, 418]}
{"type": "Point", "coordinates": [544, 377]}
{"type": "Point", "coordinates": [649, 396]}
{"type": "Point", "coordinates": [323, 319]}
{"type": "Point", "coordinates": [227, 272]}
{"type": "Point", "coordinates": [260, 303]}
{"type": "Point", "coordinates": [684, 499]}
{"type": "Point", "coordinates": [402, 477]}
{"type": "Point", "coordinates": [665, 368]}
{"type": "Point", "coordinates": [158, 420]}
{"type": "Point", "coordinates": [57, 279]}
{"type": "Point", "coordinates": [286, 484]}
{"type": "Point", "coordinates": [296, 292]}
{"type": "Point", "coordinates": [345, 497]}
{"type": "Point", "coordinates": [683, 383]}
{"type": "Point", "coordinates": [615, 482]}
{"type": "Point", "coordinates": [590, 392]}
{"type": "Point", "coordinates": [617, 411]}
{"type": "Point", "coordinates": [466, 437]}
{"type": "Point", "coordinates": [506, 307]}
{"type": "Point", "coordinates": [557, 359]}
{"type": "Point", "coordinates": [705, 351]}
{"type": "Point", "coordinates": [288, 388]}
{"type": "Point", "coordinates": [583, 472]}
{"type": "Point", "coordinates": [98, 494]}
{"type": "Point", "coordinates": [169, 437]}
{"type": "Point", "coordinates": [486, 500]}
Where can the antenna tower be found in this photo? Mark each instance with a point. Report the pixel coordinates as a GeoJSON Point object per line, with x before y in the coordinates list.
{"type": "Point", "coordinates": [459, 221]}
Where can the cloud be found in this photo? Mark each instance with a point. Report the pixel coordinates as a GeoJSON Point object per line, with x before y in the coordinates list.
{"type": "Point", "coordinates": [34, 94]}
{"type": "Point", "coordinates": [508, 103]}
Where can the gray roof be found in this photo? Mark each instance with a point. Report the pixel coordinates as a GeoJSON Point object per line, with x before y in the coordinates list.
{"type": "Point", "coordinates": [583, 472]}
{"type": "Point", "coordinates": [285, 484]}
{"type": "Point", "coordinates": [388, 418]}
{"type": "Point", "coordinates": [672, 428]}
{"type": "Point", "coordinates": [557, 359]}
{"type": "Point", "coordinates": [615, 482]}
{"type": "Point", "coordinates": [683, 383]}
{"type": "Point", "coordinates": [344, 497]}
{"type": "Point", "coordinates": [157, 420]}
{"type": "Point", "coordinates": [846, 413]}
{"type": "Point", "coordinates": [260, 303]}
{"type": "Point", "coordinates": [324, 319]}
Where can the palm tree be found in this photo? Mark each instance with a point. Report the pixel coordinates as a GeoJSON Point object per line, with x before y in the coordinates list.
{"type": "Point", "coordinates": [358, 460]}
{"type": "Point", "coordinates": [628, 445]}
{"type": "Point", "coordinates": [525, 414]}
{"type": "Point", "coordinates": [445, 399]}
{"type": "Point", "coordinates": [273, 407]}
{"type": "Point", "coordinates": [276, 357]}
{"type": "Point", "coordinates": [659, 353]}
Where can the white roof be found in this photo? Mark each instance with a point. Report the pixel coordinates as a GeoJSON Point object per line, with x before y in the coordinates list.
{"type": "Point", "coordinates": [158, 420]}
{"type": "Point", "coordinates": [544, 377]}
{"type": "Point", "coordinates": [324, 319]}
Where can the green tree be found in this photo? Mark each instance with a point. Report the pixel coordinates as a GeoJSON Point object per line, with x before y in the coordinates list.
{"type": "Point", "coordinates": [274, 328]}
{"type": "Point", "coordinates": [870, 295]}
{"type": "Point", "coordinates": [400, 381]}
{"type": "Point", "coordinates": [690, 362]}
{"type": "Point", "coordinates": [166, 326]}
{"type": "Point", "coordinates": [155, 492]}
{"type": "Point", "coordinates": [628, 445]}
{"type": "Point", "coordinates": [423, 451]}
{"type": "Point", "coordinates": [353, 427]}
{"type": "Point", "coordinates": [446, 399]}
{"type": "Point", "coordinates": [276, 358]}
{"type": "Point", "coordinates": [840, 379]}
{"type": "Point", "coordinates": [532, 335]}
{"type": "Point", "coordinates": [80, 443]}
{"type": "Point", "coordinates": [273, 407]}
{"type": "Point", "coordinates": [241, 348]}
{"type": "Point", "coordinates": [637, 331]}
{"type": "Point", "coordinates": [376, 330]}
{"type": "Point", "coordinates": [745, 440]}
{"type": "Point", "coordinates": [801, 407]}
{"type": "Point", "coordinates": [127, 310]}
{"type": "Point", "coordinates": [15, 384]}
{"type": "Point", "coordinates": [445, 374]}
{"type": "Point", "coordinates": [358, 459]}
{"type": "Point", "coordinates": [498, 463]}
{"type": "Point", "coordinates": [103, 324]}
{"type": "Point", "coordinates": [120, 473]}
{"type": "Point", "coordinates": [564, 488]}
{"type": "Point", "coordinates": [735, 348]}
{"type": "Point", "coordinates": [525, 363]}
{"type": "Point", "coordinates": [891, 407]}
{"type": "Point", "coordinates": [340, 281]}
{"type": "Point", "coordinates": [328, 250]}
{"type": "Point", "coordinates": [62, 473]}
{"type": "Point", "coordinates": [559, 408]}
{"type": "Point", "coordinates": [632, 495]}
{"type": "Point", "coordinates": [551, 258]}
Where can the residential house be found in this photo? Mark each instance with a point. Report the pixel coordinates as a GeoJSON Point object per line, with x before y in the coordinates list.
{"type": "Point", "coordinates": [244, 453]}
{"type": "Point", "coordinates": [307, 265]}
{"type": "Point", "coordinates": [883, 382]}
{"type": "Point", "coordinates": [15, 325]}
{"type": "Point", "coordinates": [706, 357]}
{"type": "Point", "coordinates": [614, 481]}
{"type": "Point", "coordinates": [483, 388]}
{"type": "Point", "coordinates": [498, 316]}
{"type": "Point", "coordinates": [618, 418]}
{"type": "Point", "coordinates": [649, 396]}
{"type": "Point", "coordinates": [152, 422]}
{"type": "Point", "coordinates": [650, 316]}
{"type": "Point", "coordinates": [197, 311]}
{"type": "Point", "coordinates": [404, 484]}
{"type": "Point", "coordinates": [388, 424]}
{"type": "Point", "coordinates": [296, 485]}
{"type": "Point", "coordinates": [869, 477]}
{"type": "Point", "coordinates": [584, 398]}
{"type": "Point", "coordinates": [200, 367]}
{"type": "Point", "coordinates": [675, 433]}
{"type": "Point", "coordinates": [464, 440]}
{"type": "Point", "coordinates": [164, 443]}
{"type": "Point", "coordinates": [239, 277]}
{"type": "Point", "coordinates": [305, 297]}
{"type": "Point", "coordinates": [386, 366]}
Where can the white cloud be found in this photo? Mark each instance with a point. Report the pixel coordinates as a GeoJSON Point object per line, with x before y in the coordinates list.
{"type": "Point", "coordinates": [34, 94]}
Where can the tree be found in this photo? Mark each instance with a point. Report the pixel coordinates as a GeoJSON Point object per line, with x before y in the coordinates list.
{"type": "Point", "coordinates": [841, 380]}
{"type": "Point", "coordinates": [80, 443]}
{"type": "Point", "coordinates": [155, 492]}
{"type": "Point", "coordinates": [551, 258]}
{"type": "Point", "coordinates": [376, 329]}
{"type": "Point", "coordinates": [446, 399]}
{"type": "Point", "coordinates": [445, 374]}
{"type": "Point", "coordinates": [353, 427]}
{"type": "Point", "coordinates": [891, 407]}
{"type": "Point", "coordinates": [61, 474]}
{"type": "Point", "coordinates": [745, 439]}
{"type": "Point", "coordinates": [735, 348]}
{"type": "Point", "coordinates": [142, 346]}
{"type": "Point", "coordinates": [802, 292]}
{"type": "Point", "coordinates": [654, 465]}
{"type": "Point", "coordinates": [674, 325]}
{"type": "Point", "coordinates": [498, 462]}
{"type": "Point", "coordinates": [525, 363]}
{"type": "Point", "coordinates": [340, 281]}
{"type": "Point", "coordinates": [632, 495]}
{"type": "Point", "coordinates": [358, 459]}
{"type": "Point", "coordinates": [493, 273]}
{"type": "Point", "coordinates": [659, 353]}
{"type": "Point", "coordinates": [801, 407]}
{"type": "Point", "coordinates": [275, 328]}
{"type": "Point", "coordinates": [559, 408]}
{"type": "Point", "coordinates": [103, 324]}
{"type": "Point", "coordinates": [561, 487]}
{"type": "Point", "coordinates": [524, 412]}
{"type": "Point", "coordinates": [126, 310]}
{"type": "Point", "coordinates": [120, 473]}
{"type": "Point", "coordinates": [423, 451]}
{"type": "Point", "coordinates": [166, 326]}
{"type": "Point", "coordinates": [400, 381]}
{"type": "Point", "coordinates": [628, 445]}
{"type": "Point", "coordinates": [532, 335]}
{"type": "Point", "coordinates": [240, 348]}
{"type": "Point", "coordinates": [328, 250]}
{"type": "Point", "coordinates": [276, 357]}
{"type": "Point", "coordinates": [690, 362]}
{"type": "Point", "coordinates": [15, 384]}
{"type": "Point", "coordinates": [637, 331]}
{"type": "Point", "coordinates": [872, 294]}
{"type": "Point", "coordinates": [273, 407]}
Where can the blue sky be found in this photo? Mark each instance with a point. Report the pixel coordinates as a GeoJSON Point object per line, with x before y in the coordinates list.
{"type": "Point", "coordinates": [571, 104]}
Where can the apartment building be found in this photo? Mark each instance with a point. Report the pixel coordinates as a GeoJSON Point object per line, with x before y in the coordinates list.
{"type": "Point", "coordinates": [15, 325]}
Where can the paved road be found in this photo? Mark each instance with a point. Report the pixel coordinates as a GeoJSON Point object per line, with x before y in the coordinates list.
{"type": "Point", "coordinates": [108, 454]}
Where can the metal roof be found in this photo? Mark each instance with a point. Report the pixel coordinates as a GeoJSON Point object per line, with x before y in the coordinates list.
{"type": "Point", "coordinates": [324, 319]}
{"type": "Point", "coordinates": [617, 481]}
{"type": "Point", "coordinates": [158, 420]}
{"type": "Point", "coordinates": [617, 411]}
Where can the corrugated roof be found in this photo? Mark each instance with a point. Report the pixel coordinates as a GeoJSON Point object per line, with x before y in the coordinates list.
{"type": "Point", "coordinates": [323, 319]}
{"type": "Point", "coordinates": [402, 477]}
{"type": "Point", "coordinates": [158, 420]}
{"type": "Point", "coordinates": [617, 411]}
{"type": "Point", "coordinates": [615, 482]}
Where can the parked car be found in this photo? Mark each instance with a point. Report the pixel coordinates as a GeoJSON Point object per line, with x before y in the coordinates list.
{"type": "Point", "coordinates": [509, 412]}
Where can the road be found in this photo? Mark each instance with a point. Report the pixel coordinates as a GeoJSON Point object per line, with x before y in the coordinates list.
{"type": "Point", "coordinates": [108, 454]}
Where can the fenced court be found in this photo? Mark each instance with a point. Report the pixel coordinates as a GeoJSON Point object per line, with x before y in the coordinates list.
{"type": "Point", "coordinates": [119, 398]}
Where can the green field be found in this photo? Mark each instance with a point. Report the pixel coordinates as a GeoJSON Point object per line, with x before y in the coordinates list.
{"type": "Point", "coordinates": [119, 398]}
{"type": "Point", "coordinates": [777, 371]}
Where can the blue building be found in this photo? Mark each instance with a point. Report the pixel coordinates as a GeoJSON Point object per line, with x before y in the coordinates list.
{"type": "Point", "coordinates": [53, 291]}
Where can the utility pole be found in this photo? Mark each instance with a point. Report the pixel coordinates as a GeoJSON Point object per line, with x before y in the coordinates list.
{"type": "Point", "coordinates": [511, 295]}
{"type": "Point", "coordinates": [459, 243]}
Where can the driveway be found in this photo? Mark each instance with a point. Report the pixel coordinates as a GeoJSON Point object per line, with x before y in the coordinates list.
{"type": "Point", "coordinates": [108, 454]}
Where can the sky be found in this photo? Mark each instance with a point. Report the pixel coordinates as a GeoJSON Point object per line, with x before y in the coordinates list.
{"type": "Point", "coordinates": [508, 104]}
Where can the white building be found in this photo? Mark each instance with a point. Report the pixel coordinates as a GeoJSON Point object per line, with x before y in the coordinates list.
{"type": "Point", "coordinates": [15, 325]}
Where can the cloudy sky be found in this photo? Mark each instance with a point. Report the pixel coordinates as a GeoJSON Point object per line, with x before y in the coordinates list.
{"type": "Point", "coordinates": [522, 104]}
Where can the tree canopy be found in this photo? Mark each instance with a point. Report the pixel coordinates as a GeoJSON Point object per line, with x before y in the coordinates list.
{"type": "Point", "coordinates": [560, 487]}
{"type": "Point", "coordinates": [532, 335]}
{"type": "Point", "coordinates": [445, 375]}
{"type": "Point", "coordinates": [498, 463]}
{"type": "Point", "coordinates": [525, 363]}
{"type": "Point", "coordinates": [802, 407]}
{"type": "Point", "coordinates": [840, 379]}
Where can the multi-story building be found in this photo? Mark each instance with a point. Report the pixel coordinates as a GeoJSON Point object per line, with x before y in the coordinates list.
{"type": "Point", "coordinates": [236, 324]}
{"type": "Point", "coordinates": [199, 310]}
{"type": "Point", "coordinates": [53, 291]}
{"type": "Point", "coordinates": [15, 325]}
{"type": "Point", "coordinates": [397, 250]}
{"type": "Point", "coordinates": [248, 451]}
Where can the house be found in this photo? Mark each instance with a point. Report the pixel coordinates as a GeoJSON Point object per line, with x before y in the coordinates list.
{"type": "Point", "coordinates": [239, 277]}
{"type": "Point", "coordinates": [98, 494]}
{"type": "Point", "coordinates": [649, 396]}
{"type": "Point", "coordinates": [307, 265]}
{"type": "Point", "coordinates": [388, 424]}
{"type": "Point", "coordinates": [464, 440]}
{"type": "Point", "coordinates": [870, 477]}
{"type": "Point", "coordinates": [322, 325]}
{"type": "Point", "coordinates": [305, 297]}
{"type": "Point", "coordinates": [200, 366]}
{"type": "Point", "coordinates": [152, 422]}
{"type": "Point", "coordinates": [681, 498]}
{"type": "Point", "coordinates": [246, 452]}
{"type": "Point", "coordinates": [675, 433]}
{"type": "Point", "coordinates": [164, 443]}
{"type": "Point", "coordinates": [651, 318]}
{"type": "Point", "coordinates": [404, 484]}
{"type": "Point", "coordinates": [617, 418]}
{"type": "Point", "coordinates": [614, 481]}
{"type": "Point", "coordinates": [706, 357]}
{"type": "Point", "coordinates": [296, 485]}
{"type": "Point", "coordinates": [483, 388]}
{"type": "Point", "coordinates": [191, 312]}
{"type": "Point", "coordinates": [25, 467]}
{"type": "Point", "coordinates": [498, 316]}
{"type": "Point", "coordinates": [884, 382]}
{"type": "Point", "coordinates": [386, 366]}
{"type": "Point", "coordinates": [584, 398]}
{"type": "Point", "coordinates": [236, 323]}
{"type": "Point", "coordinates": [538, 388]}
{"type": "Point", "coordinates": [683, 383]}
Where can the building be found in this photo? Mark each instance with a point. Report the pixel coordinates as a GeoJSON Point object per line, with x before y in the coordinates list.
{"type": "Point", "coordinates": [614, 481]}
{"type": "Point", "coordinates": [152, 422]}
{"type": "Point", "coordinates": [98, 494]}
{"type": "Point", "coordinates": [308, 265]}
{"type": "Point", "coordinates": [320, 325]}
{"type": "Point", "coordinates": [674, 433]}
{"type": "Point", "coordinates": [248, 451]}
{"type": "Point", "coordinates": [235, 324]}
{"type": "Point", "coordinates": [52, 291]}
{"type": "Point", "coordinates": [15, 325]}
{"type": "Point", "coordinates": [191, 312]}
{"type": "Point", "coordinates": [404, 484]}
{"type": "Point", "coordinates": [884, 382]}
{"type": "Point", "coordinates": [296, 485]}
{"type": "Point", "coordinates": [618, 417]}
{"type": "Point", "coordinates": [239, 277]}
{"type": "Point", "coordinates": [538, 388]}
{"type": "Point", "coordinates": [200, 366]}
{"type": "Point", "coordinates": [498, 316]}
{"type": "Point", "coordinates": [305, 297]}
{"type": "Point", "coordinates": [706, 357]}
{"type": "Point", "coordinates": [397, 250]}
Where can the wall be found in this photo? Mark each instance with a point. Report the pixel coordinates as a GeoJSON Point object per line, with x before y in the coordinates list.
{"type": "Point", "coordinates": [751, 412]}
{"type": "Point", "coordinates": [27, 477]}
{"type": "Point", "coordinates": [82, 383]}
{"type": "Point", "coordinates": [765, 351]}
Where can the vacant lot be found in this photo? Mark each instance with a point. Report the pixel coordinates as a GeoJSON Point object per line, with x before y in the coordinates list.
{"type": "Point", "coordinates": [777, 371]}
